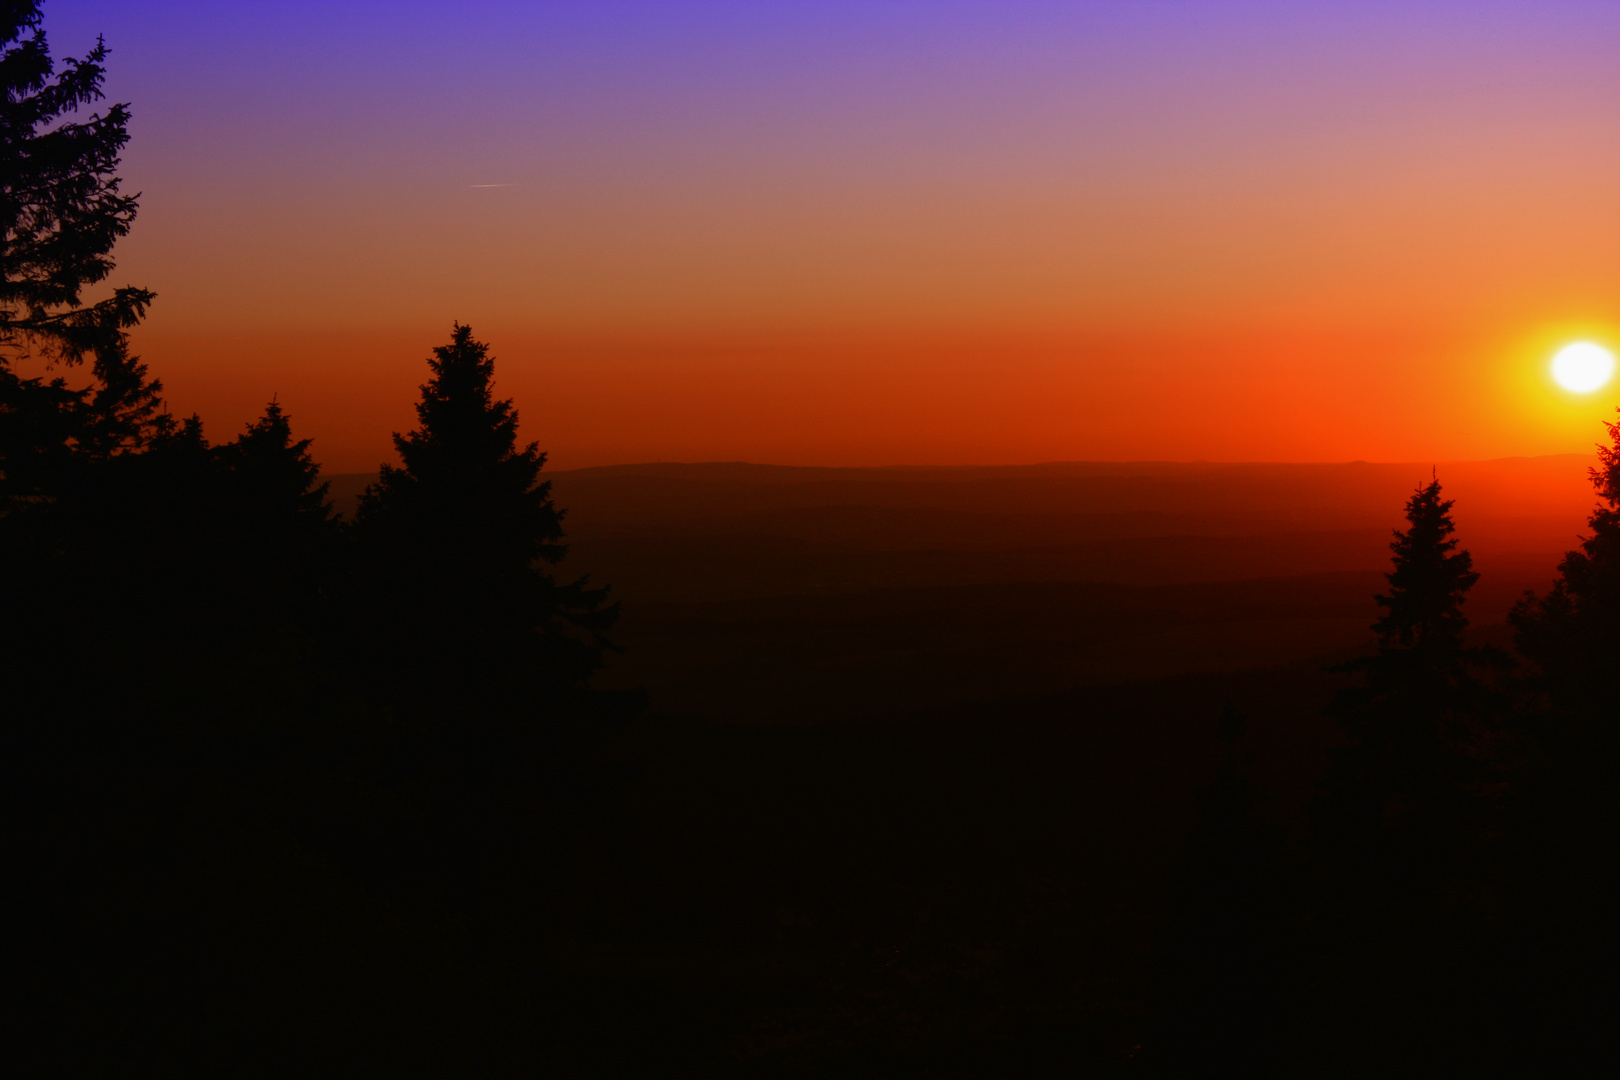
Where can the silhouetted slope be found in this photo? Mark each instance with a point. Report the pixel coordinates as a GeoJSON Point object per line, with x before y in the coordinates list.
{"type": "Point", "coordinates": [763, 592]}
{"type": "Point", "coordinates": [1284, 496]}
{"type": "Point", "coordinates": [971, 892]}
{"type": "Point", "coordinates": [687, 532]}
{"type": "Point", "coordinates": [1353, 494]}
{"type": "Point", "coordinates": [688, 568]}
{"type": "Point", "coordinates": [898, 651]}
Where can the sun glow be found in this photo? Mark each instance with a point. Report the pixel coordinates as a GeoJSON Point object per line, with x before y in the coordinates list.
{"type": "Point", "coordinates": [1583, 367]}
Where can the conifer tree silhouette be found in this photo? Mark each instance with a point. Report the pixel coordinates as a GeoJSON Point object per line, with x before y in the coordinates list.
{"type": "Point", "coordinates": [1409, 720]}
{"type": "Point", "coordinates": [481, 654]}
{"type": "Point", "coordinates": [277, 481]}
{"type": "Point", "coordinates": [175, 774]}
{"type": "Point", "coordinates": [1573, 633]}
{"type": "Point", "coordinates": [61, 212]}
{"type": "Point", "coordinates": [1568, 738]}
{"type": "Point", "coordinates": [466, 534]}
{"type": "Point", "coordinates": [62, 477]}
{"type": "Point", "coordinates": [273, 502]}
{"type": "Point", "coordinates": [1401, 827]}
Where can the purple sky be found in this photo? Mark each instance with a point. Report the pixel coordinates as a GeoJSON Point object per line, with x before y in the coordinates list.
{"type": "Point", "coordinates": [709, 170]}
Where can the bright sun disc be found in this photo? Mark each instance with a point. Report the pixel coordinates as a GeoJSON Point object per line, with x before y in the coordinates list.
{"type": "Point", "coordinates": [1582, 367]}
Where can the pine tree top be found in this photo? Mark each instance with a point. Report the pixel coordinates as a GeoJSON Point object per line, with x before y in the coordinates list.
{"type": "Point", "coordinates": [1430, 579]}
{"type": "Point", "coordinates": [275, 473]}
{"type": "Point", "coordinates": [459, 542]}
{"type": "Point", "coordinates": [61, 210]}
{"type": "Point", "coordinates": [61, 213]}
{"type": "Point", "coordinates": [1592, 573]}
{"type": "Point", "coordinates": [463, 430]}
{"type": "Point", "coordinates": [466, 483]}
{"type": "Point", "coordinates": [1606, 473]}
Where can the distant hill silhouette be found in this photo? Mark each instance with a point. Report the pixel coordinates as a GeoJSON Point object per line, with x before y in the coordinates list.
{"type": "Point", "coordinates": [1530, 501]}
{"type": "Point", "coordinates": [862, 587]}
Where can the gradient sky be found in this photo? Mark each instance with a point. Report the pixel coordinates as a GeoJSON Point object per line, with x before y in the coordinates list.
{"type": "Point", "coordinates": [869, 232]}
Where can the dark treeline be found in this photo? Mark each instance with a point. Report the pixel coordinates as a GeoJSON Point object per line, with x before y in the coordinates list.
{"type": "Point", "coordinates": [276, 779]}
{"type": "Point", "coordinates": [293, 793]}
{"type": "Point", "coordinates": [1439, 908]}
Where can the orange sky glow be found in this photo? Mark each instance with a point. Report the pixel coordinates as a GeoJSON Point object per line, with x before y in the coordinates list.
{"type": "Point", "coordinates": [1001, 234]}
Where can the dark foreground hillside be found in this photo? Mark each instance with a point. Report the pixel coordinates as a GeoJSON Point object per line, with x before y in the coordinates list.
{"type": "Point", "coordinates": [761, 593]}
{"type": "Point", "coordinates": [970, 892]}
{"type": "Point", "coordinates": [680, 533]}
{"type": "Point", "coordinates": [922, 746]}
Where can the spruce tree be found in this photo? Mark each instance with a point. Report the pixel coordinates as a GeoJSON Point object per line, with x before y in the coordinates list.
{"type": "Point", "coordinates": [1428, 584]}
{"type": "Point", "coordinates": [479, 653]}
{"type": "Point", "coordinates": [61, 212]}
{"type": "Point", "coordinates": [176, 783]}
{"type": "Point", "coordinates": [462, 541]}
{"type": "Point", "coordinates": [64, 485]}
{"type": "Point", "coordinates": [1401, 834]}
{"type": "Point", "coordinates": [280, 537]}
{"type": "Point", "coordinates": [1573, 633]}
{"type": "Point", "coordinates": [278, 481]}
{"type": "Point", "coordinates": [273, 493]}
{"type": "Point", "coordinates": [1568, 744]}
{"type": "Point", "coordinates": [1409, 720]}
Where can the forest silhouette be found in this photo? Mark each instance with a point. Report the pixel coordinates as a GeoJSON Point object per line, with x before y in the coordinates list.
{"type": "Point", "coordinates": [297, 790]}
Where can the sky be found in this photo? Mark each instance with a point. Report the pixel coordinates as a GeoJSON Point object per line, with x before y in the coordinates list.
{"type": "Point", "coordinates": [871, 232]}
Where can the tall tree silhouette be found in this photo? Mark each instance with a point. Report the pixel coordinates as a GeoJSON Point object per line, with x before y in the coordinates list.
{"type": "Point", "coordinates": [480, 653]}
{"type": "Point", "coordinates": [1410, 719]}
{"type": "Point", "coordinates": [61, 212]}
{"type": "Point", "coordinates": [466, 535]}
{"type": "Point", "coordinates": [274, 503]}
{"type": "Point", "coordinates": [1402, 823]}
{"type": "Point", "coordinates": [1569, 743]}
{"type": "Point", "coordinates": [175, 773]}
{"type": "Point", "coordinates": [1573, 633]}
{"type": "Point", "coordinates": [278, 482]}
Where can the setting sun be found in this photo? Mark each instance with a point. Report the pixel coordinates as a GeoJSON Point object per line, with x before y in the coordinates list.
{"type": "Point", "coordinates": [1583, 367]}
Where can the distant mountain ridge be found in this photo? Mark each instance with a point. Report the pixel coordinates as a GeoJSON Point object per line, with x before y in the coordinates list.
{"type": "Point", "coordinates": [1518, 505]}
{"type": "Point", "coordinates": [1553, 477]}
{"type": "Point", "coordinates": [861, 588]}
